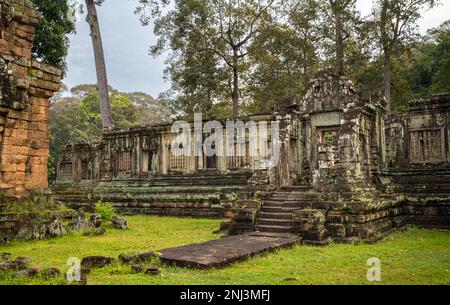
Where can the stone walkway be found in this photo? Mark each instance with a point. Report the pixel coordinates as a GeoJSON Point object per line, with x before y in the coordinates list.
{"type": "Point", "coordinates": [225, 251]}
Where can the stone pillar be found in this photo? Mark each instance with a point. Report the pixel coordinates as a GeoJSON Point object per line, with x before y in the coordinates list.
{"type": "Point", "coordinates": [25, 89]}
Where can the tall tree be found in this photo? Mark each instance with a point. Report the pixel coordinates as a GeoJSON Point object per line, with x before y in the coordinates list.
{"type": "Point", "coordinates": [228, 29]}
{"type": "Point", "coordinates": [285, 54]}
{"type": "Point", "coordinates": [343, 19]}
{"type": "Point", "coordinates": [397, 25]}
{"type": "Point", "coordinates": [102, 80]}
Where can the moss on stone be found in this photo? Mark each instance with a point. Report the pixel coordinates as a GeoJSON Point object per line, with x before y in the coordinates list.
{"type": "Point", "coordinates": [44, 208]}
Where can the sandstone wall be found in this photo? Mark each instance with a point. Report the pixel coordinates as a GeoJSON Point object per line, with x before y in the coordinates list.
{"type": "Point", "coordinates": [25, 89]}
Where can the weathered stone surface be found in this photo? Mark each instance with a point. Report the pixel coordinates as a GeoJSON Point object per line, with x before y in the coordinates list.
{"type": "Point", "coordinates": [137, 268]}
{"type": "Point", "coordinates": [25, 87]}
{"type": "Point", "coordinates": [94, 231]}
{"type": "Point", "coordinates": [146, 256]}
{"type": "Point", "coordinates": [20, 263]}
{"type": "Point", "coordinates": [79, 221]}
{"type": "Point", "coordinates": [52, 272]}
{"type": "Point", "coordinates": [96, 261]}
{"type": "Point", "coordinates": [136, 258]}
{"type": "Point", "coordinates": [6, 266]}
{"type": "Point", "coordinates": [153, 270]}
{"type": "Point", "coordinates": [5, 256]}
{"type": "Point", "coordinates": [127, 258]}
{"type": "Point", "coordinates": [95, 220]}
{"type": "Point", "coordinates": [224, 251]}
{"type": "Point", "coordinates": [83, 279]}
{"type": "Point", "coordinates": [29, 273]}
{"type": "Point", "coordinates": [56, 228]}
{"type": "Point", "coordinates": [30, 226]}
{"type": "Point", "coordinates": [119, 223]}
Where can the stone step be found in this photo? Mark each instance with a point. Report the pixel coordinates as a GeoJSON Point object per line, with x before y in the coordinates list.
{"type": "Point", "coordinates": [274, 235]}
{"type": "Point", "coordinates": [289, 204]}
{"type": "Point", "coordinates": [282, 210]}
{"type": "Point", "coordinates": [290, 200]}
{"type": "Point", "coordinates": [274, 222]}
{"type": "Point", "coordinates": [273, 229]}
{"type": "Point", "coordinates": [288, 196]}
{"type": "Point", "coordinates": [299, 188]}
{"type": "Point", "coordinates": [273, 203]}
{"type": "Point", "coordinates": [287, 216]}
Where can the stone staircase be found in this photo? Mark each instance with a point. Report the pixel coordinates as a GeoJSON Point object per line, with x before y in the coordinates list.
{"type": "Point", "coordinates": [276, 214]}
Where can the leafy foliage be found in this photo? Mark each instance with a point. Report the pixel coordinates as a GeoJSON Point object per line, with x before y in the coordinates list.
{"type": "Point", "coordinates": [430, 71]}
{"type": "Point", "coordinates": [106, 210]}
{"type": "Point", "coordinates": [52, 43]}
{"type": "Point", "coordinates": [292, 41]}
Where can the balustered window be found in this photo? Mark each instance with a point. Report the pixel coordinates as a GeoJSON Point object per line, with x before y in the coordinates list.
{"type": "Point", "coordinates": [124, 162]}
{"type": "Point", "coordinates": [293, 154]}
{"type": "Point", "coordinates": [84, 175]}
{"type": "Point", "coordinates": [65, 171]}
{"type": "Point", "coordinates": [240, 157]}
{"type": "Point", "coordinates": [426, 146]}
{"type": "Point", "coordinates": [177, 163]}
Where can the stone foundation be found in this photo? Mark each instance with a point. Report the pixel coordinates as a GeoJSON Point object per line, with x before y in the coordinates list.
{"type": "Point", "coordinates": [240, 217]}
{"type": "Point", "coordinates": [198, 195]}
{"type": "Point", "coordinates": [319, 222]}
{"type": "Point", "coordinates": [28, 226]}
{"type": "Point", "coordinates": [369, 224]}
{"type": "Point", "coordinates": [34, 219]}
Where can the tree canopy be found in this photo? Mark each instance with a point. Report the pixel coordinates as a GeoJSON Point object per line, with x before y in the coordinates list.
{"type": "Point", "coordinates": [52, 43]}
{"type": "Point", "coordinates": [75, 115]}
{"type": "Point", "coordinates": [269, 51]}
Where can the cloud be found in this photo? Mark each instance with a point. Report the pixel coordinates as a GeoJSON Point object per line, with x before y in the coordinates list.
{"type": "Point", "coordinates": [126, 43]}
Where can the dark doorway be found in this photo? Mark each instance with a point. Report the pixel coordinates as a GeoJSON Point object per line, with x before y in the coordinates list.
{"type": "Point", "coordinates": [211, 162]}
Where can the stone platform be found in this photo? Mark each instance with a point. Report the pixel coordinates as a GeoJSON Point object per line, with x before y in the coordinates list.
{"type": "Point", "coordinates": [225, 251]}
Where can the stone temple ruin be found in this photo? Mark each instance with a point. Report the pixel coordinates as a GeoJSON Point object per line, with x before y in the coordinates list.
{"type": "Point", "coordinates": [25, 89]}
{"type": "Point", "coordinates": [346, 171]}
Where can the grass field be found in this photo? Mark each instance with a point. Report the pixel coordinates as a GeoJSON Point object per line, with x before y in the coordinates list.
{"type": "Point", "coordinates": [413, 256]}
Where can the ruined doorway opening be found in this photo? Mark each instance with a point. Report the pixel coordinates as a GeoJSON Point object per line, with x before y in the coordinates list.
{"type": "Point", "coordinates": [211, 162]}
{"type": "Point", "coordinates": [152, 161]}
{"type": "Point", "coordinates": [326, 147]}
{"type": "Point", "coordinates": [327, 135]}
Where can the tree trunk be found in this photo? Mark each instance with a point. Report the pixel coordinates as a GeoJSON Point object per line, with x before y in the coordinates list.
{"type": "Point", "coordinates": [102, 81]}
{"type": "Point", "coordinates": [339, 44]}
{"type": "Point", "coordinates": [387, 80]}
{"type": "Point", "coordinates": [385, 44]}
{"type": "Point", "coordinates": [339, 37]}
{"type": "Point", "coordinates": [235, 93]}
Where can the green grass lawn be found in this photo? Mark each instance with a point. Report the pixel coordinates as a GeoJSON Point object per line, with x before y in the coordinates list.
{"type": "Point", "coordinates": [413, 256]}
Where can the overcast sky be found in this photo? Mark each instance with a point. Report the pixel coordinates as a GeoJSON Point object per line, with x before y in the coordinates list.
{"type": "Point", "coordinates": [126, 45]}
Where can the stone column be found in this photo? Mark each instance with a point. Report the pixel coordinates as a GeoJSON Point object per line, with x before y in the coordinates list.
{"type": "Point", "coordinates": [25, 89]}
